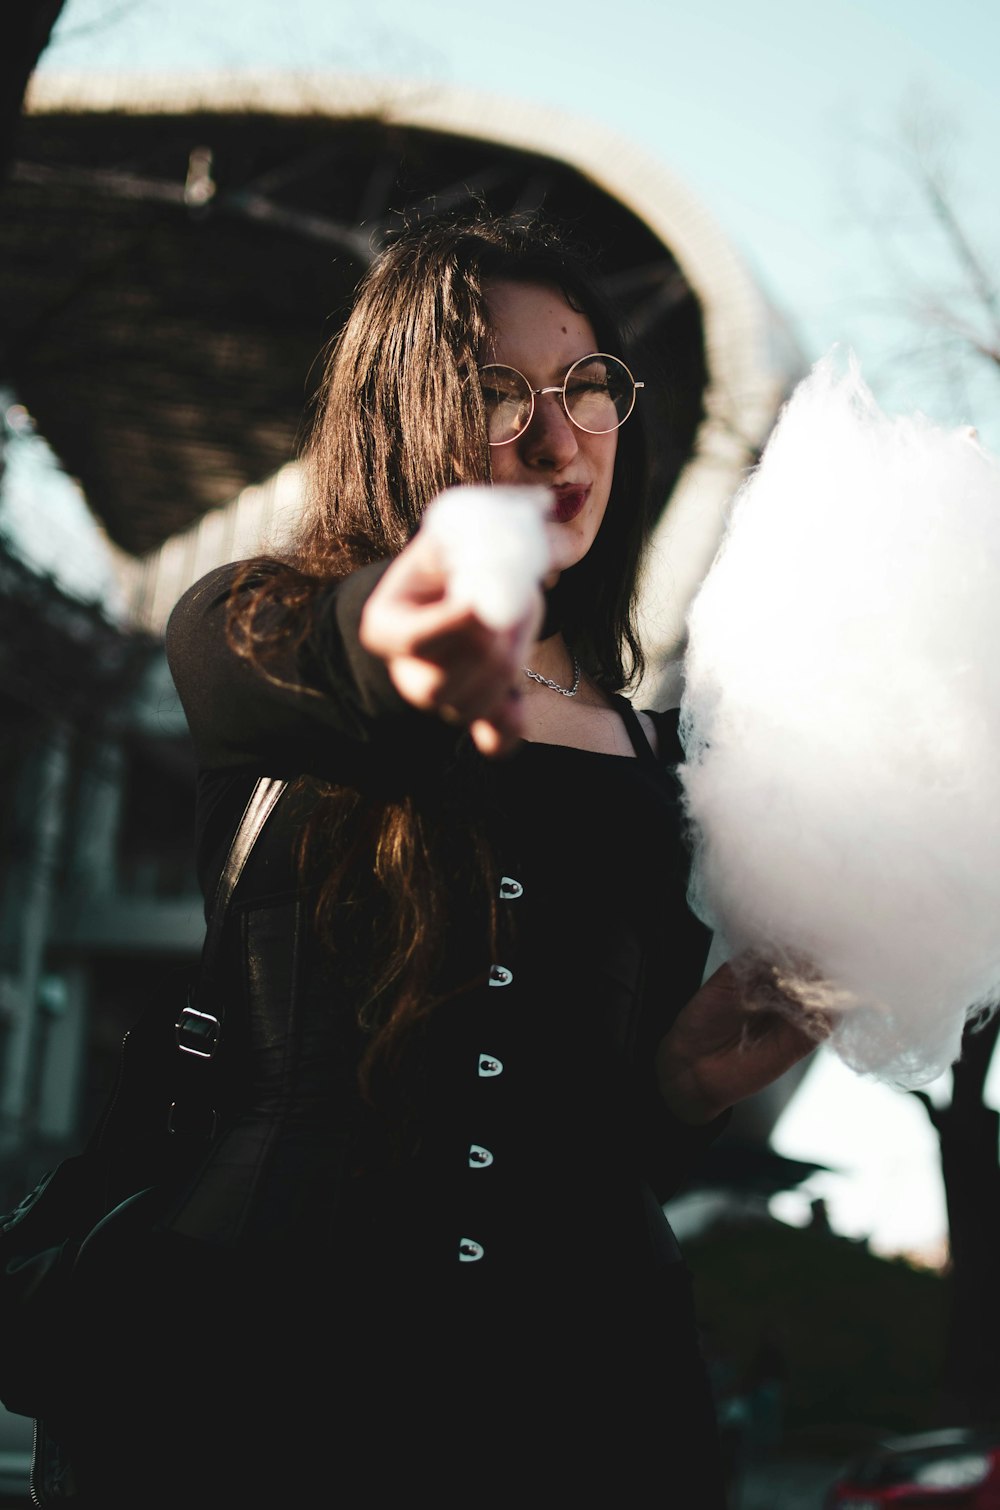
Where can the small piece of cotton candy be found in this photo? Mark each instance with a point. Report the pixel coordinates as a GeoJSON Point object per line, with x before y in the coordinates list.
{"type": "Point", "coordinates": [841, 726]}
{"type": "Point", "coordinates": [495, 547]}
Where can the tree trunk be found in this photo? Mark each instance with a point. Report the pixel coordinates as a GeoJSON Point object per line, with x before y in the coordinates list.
{"type": "Point", "coordinates": [970, 1164]}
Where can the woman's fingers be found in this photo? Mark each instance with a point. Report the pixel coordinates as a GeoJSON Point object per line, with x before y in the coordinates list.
{"type": "Point", "coordinates": [440, 657]}
{"type": "Point", "coordinates": [463, 667]}
{"type": "Point", "coordinates": [443, 660]}
{"type": "Point", "coordinates": [726, 1045]}
{"type": "Point", "coordinates": [499, 735]}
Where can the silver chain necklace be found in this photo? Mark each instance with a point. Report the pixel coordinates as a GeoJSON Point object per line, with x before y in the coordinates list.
{"type": "Point", "coordinates": [536, 676]}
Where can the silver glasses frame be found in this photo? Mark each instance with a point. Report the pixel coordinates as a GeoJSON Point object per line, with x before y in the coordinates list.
{"type": "Point", "coordinates": [560, 388]}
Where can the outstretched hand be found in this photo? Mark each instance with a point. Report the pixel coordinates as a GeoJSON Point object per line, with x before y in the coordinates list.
{"type": "Point", "coordinates": [721, 1049]}
{"type": "Point", "coordinates": [440, 657]}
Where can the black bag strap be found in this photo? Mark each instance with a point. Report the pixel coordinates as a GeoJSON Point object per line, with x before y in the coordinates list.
{"type": "Point", "coordinates": [199, 1032]}
{"type": "Point", "coordinates": [636, 733]}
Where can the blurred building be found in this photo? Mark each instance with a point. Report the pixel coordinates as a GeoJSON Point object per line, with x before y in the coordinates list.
{"type": "Point", "coordinates": [174, 256]}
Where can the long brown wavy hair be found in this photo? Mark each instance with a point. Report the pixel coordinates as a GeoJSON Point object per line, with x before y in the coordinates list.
{"type": "Point", "coordinates": [398, 418]}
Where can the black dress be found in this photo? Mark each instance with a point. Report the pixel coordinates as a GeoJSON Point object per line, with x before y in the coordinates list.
{"type": "Point", "coordinates": [488, 1305]}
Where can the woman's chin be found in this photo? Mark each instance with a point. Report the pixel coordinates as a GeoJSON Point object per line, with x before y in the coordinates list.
{"type": "Point", "coordinates": [564, 551]}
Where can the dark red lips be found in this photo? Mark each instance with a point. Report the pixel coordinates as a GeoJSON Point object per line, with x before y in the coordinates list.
{"type": "Point", "coordinates": [569, 502]}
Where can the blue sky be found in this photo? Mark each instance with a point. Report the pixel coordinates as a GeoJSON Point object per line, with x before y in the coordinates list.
{"type": "Point", "coordinates": [781, 118]}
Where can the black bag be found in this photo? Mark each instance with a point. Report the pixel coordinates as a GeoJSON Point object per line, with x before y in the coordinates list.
{"type": "Point", "coordinates": [156, 1130]}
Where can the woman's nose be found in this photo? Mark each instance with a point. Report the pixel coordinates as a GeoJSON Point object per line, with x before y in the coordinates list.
{"type": "Point", "coordinates": [551, 438]}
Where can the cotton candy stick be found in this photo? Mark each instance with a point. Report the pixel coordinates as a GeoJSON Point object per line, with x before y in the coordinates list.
{"type": "Point", "coordinates": [494, 545]}
{"type": "Point", "coordinates": [841, 726]}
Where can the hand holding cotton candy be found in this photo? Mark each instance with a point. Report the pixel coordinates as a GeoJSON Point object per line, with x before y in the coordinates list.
{"type": "Point", "coordinates": [841, 726]}
{"type": "Point", "coordinates": [494, 545]}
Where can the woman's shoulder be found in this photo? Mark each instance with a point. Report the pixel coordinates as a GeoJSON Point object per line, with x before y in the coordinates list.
{"type": "Point", "coordinates": [287, 689]}
{"type": "Point", "coordinates": [198, 604]}
{"type": "Point", "coordinates": [213, 591]}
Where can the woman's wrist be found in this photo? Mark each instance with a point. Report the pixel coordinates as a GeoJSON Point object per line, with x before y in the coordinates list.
{"type": "Point", "coordinates": [683, 1092]}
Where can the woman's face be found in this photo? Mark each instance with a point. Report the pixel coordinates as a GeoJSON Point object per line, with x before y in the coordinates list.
{"type": "Point", "coordinates": [536, 331]}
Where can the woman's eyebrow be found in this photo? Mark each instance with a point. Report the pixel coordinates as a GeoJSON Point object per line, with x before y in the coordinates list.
{"type": "Point", "coordinates": [559, 372]}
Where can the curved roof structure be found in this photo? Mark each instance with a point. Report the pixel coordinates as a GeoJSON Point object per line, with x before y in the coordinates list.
{"type": "Point", "coordinates": [177, 251]}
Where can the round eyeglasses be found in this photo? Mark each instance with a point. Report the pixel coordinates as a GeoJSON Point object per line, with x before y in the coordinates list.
{"type": "Point", "coordinates": [598, 394]}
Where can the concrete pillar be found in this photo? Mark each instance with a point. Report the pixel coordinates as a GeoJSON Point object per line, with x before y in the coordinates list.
{"type": "Point", "coordinates": [61, 1044]}
{"type": "Point", "coordinates": [35, 912]}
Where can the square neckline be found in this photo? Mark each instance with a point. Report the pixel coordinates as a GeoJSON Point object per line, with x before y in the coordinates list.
{"type": "Point", "coordinates": [638, 738]}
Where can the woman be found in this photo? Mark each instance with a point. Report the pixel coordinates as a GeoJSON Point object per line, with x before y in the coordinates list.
{"type": "Point", "coordinates": [478, 1052]}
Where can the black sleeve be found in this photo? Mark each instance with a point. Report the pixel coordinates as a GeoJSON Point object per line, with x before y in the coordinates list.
{"type": "Point", "coordinates": [326, 709]}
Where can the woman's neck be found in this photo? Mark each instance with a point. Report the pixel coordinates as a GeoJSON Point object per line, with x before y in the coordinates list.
{"type": "Point", "coordinates": [552, 658]}
{"type": "Point", "coordinates": [587, 720]}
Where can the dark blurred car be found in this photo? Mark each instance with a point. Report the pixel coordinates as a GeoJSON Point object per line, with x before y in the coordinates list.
{"type": "Point", "coordinates": [957, 1469]}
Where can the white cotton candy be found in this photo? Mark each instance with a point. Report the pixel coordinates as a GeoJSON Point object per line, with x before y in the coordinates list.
{"type": "Point", "coordinates": [841, 725]}
{"type": "Point", "coordinates": [495, 547]}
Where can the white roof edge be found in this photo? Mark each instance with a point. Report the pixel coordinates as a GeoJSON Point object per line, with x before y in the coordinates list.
{"type": "Point", "coordinates": [734, 308]}
{"type": "Point", "coordinates": [746, 384]}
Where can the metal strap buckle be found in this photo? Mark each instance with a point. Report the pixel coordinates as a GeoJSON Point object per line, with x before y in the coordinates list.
{"type": "Point", "coordinates": [197, 1033]}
